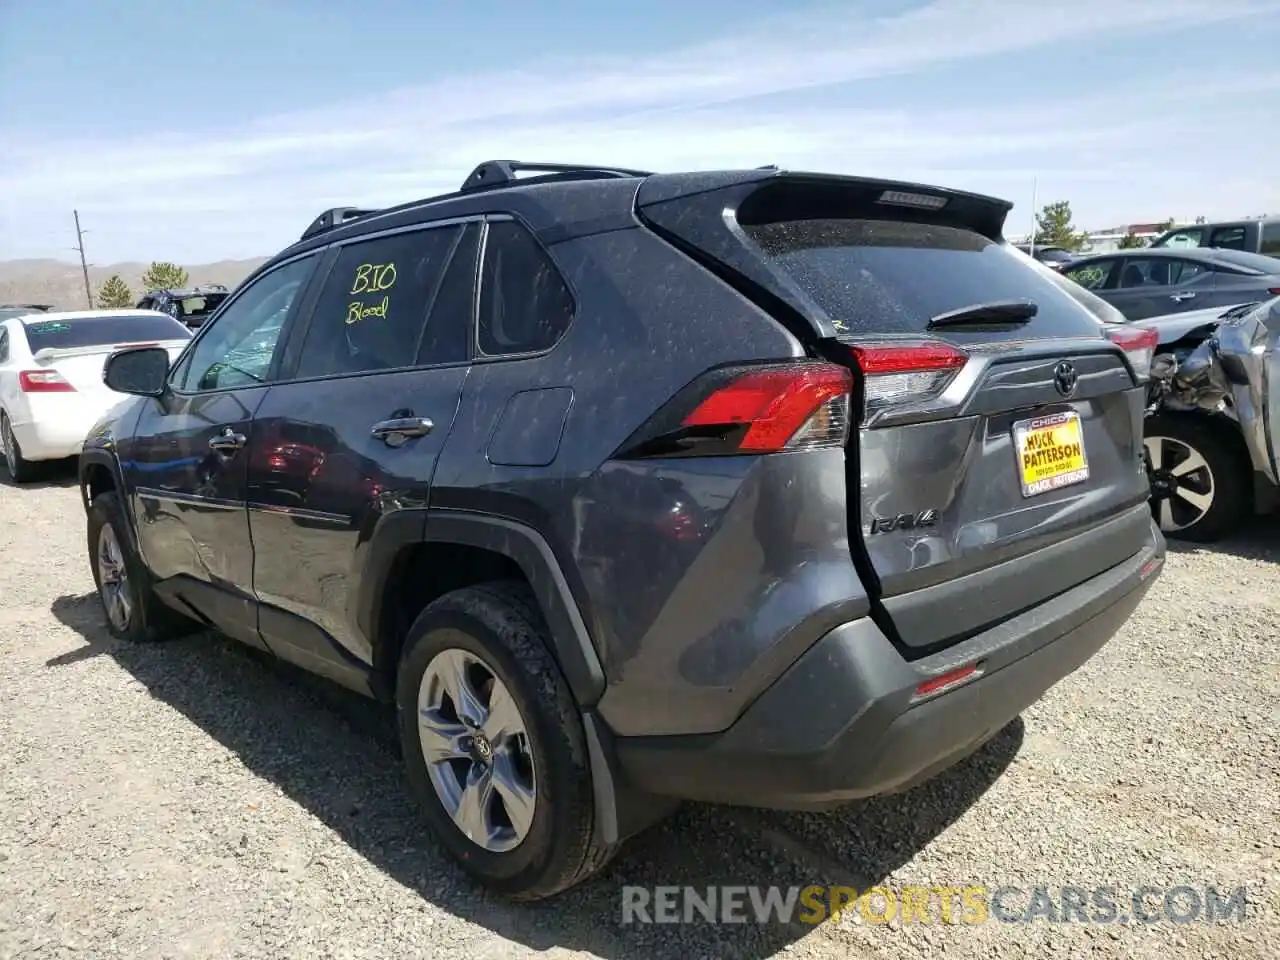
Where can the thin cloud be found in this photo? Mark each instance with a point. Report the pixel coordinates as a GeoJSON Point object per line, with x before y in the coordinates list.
{"type": "Point", "coordinates": [786, 92]}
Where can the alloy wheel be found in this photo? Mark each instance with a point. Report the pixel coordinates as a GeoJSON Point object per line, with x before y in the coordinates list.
{"type": "Point", "coordinates": [113, 579]}
{"type": "Point", "coordinates": [1182, 483]}
{"type": "Point", "coordinates": [476, 745]}
{"type": "Point", "coordinates": [9, 443]}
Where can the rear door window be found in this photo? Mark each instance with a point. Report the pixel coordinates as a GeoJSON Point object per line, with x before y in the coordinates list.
{"type": "Point", "coordinates": [447, 338]}
{"type": "Point", "coordinates": [1271, 240]}
{"type": "Point", "coordinates": [881, 276]}
{"type": "Point", "coordinates": [101, 331]}
{"type": "Point", "coordinates": [372, 312]}
{"type": "Point", "coordinates": [1228, 238]}
{"type": "Point", "coordinates": [1159, 272]}
{"type": "Point", "coordinates": [1191, 237]}
{"type": "Point", "coordinates": [1091, 276]}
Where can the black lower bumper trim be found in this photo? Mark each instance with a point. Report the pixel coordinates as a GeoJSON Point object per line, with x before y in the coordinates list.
{"type": "Point", "coordinates": [843, 723]}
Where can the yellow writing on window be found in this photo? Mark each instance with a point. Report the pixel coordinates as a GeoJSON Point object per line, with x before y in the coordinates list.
{"type": "Point", "coordinates": [374, 278]}
{"type": "Point", "coordinates": [358, 311]}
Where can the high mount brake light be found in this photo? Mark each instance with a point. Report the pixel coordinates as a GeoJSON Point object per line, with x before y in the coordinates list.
{"type": "Point", "coordinates": [1139, 344]}
{"type": "Point", "coordinates": [43, 381]}
{"type": "Point", "coordinates": [901, 373]}
{"type": "Point", "coordinates": [751, 410]}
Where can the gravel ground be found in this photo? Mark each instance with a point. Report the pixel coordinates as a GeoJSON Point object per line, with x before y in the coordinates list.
{"type": "Point", "coordinates": [192, 800]}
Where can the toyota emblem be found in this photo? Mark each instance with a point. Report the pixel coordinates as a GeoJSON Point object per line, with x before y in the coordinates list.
{"type": "Point", "coordinates": [1065, 378]}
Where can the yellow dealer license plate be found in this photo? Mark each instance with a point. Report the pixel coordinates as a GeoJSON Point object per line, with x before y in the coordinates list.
{"type": "Point", "coordinates": [1050, 452]}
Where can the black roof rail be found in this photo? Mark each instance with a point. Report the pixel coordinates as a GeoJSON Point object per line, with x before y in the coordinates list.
{"type": "Point", "coordinates": [498, 173]}
{"type": "Point", "coordinates": [335, 217]}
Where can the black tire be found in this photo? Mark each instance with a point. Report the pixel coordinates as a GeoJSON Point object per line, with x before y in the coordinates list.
{"type": "Point", "coordinates": [1227, 476]}
{"type": "Point", "coordinates": [499, 623]}
{"type": "Point", "coordinates": [149, 620]}
{"type": "Point", "coordinates": [21, 470]}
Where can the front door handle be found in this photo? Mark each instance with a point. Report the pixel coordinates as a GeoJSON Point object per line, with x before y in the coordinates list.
{"type": "Point", "coordinates": [400, 429]}
{"type": "Point", "coordinates": [1179, 297]}
{"type": "Point", "coordinates": [228, 441]}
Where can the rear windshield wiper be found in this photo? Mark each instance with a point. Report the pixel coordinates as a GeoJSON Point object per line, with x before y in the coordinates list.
{"type": "Point", "coordinates": [996, 312]}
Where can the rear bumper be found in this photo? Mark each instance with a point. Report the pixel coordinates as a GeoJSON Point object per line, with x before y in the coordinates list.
{"type": "Point", "coordinates": [844, 721]}
{"type": "Point", "coordinates": [53, 439]}
{"type": "Point", "coordinates": [54, 425]}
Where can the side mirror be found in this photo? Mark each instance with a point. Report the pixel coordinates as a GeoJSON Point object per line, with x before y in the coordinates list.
{"type": "Point", "coordinates": [143, 371]}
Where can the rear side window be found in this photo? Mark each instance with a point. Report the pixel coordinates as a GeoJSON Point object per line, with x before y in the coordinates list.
{"type": "Point", "coordinates": [101, 331]}
{"type": "Point", "coordinates": [1271, 239]}
{"type": "Point", "coordinates": [4, 346]}
{"type": "Point", "coordinates": [880, 276]}
{"type": "Point", "coordinates": [1228, 238]}
{"type": "Point", "coordinates": [372, 311]}
{"type": "Point", "coordinates": [1193, 237]}
{"type": "Point", "coordinates": [525, 305]}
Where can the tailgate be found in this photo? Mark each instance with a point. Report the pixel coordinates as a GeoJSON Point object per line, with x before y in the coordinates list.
{"type": "Point", "coordinates": [998, 460]}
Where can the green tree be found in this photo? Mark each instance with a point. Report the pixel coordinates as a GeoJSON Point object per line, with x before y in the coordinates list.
{"type": "Point", "coordinates": [1054, 227]}
{"type": "Point", "coordinates": [1131, 241]}
{"type": "Point", "coordinates": [1166, 225]}
{"type": "Point", "coordinates": [162, 275]}
{"type": "Point", "coordinates": [115, 293]}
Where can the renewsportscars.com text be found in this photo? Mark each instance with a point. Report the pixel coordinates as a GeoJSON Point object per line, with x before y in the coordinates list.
{"type": "Point", "coordinates": [971, 904]}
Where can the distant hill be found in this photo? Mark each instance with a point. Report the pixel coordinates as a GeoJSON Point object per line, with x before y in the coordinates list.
{"type": "Point", "coordinates": [61, 283]}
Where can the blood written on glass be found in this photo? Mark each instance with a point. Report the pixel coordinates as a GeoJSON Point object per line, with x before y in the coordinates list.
{"type": "Point", "coordinates": [371, 278]}
{"type": "Point", "coordinates": [357, 310]}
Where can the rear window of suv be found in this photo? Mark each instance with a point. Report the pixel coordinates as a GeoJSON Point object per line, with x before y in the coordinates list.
{"type": "Point", "coordinates": [881, 276]}
{"type": "Point", "coordinates": [101, 332]}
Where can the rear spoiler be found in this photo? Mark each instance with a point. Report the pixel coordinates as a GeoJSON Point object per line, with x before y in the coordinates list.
{"type": "Point", "coordinates": [48, 354]}
{"type": "Point", "coordinates": [702, 215]}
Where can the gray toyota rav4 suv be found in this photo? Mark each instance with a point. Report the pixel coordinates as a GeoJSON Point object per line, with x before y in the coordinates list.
{"type": "Point", "coordinates": [754, 487]}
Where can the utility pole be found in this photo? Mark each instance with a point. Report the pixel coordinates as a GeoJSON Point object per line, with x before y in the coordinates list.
{"type": "Point", "coordinates": [84, 267]}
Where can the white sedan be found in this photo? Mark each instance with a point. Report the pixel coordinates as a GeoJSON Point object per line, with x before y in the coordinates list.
{"type": "Point", "coordinates": [51, 389]}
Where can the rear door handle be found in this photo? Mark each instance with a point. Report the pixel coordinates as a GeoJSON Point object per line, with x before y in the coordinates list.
{"type": "Point", "coordinates": [1179, 297]}
{"type": "Point", "coordinates": [402, 428]}
{"type": "Point", "coordinates": [228, 441]}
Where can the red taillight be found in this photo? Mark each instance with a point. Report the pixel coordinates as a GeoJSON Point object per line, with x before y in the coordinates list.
{"type": "Point", "coordinates": [777, 406]}
{"type": "Point", "coordinates": [1274, 291]}
{"type": "Point", "coordinates": [898, 373]}
{"type": "Point", "coordinates": [1139, 344]}
{"type": "Point", "coordinates": [43, 381]}
{"type": "Point", "coordinates": [792, 405]}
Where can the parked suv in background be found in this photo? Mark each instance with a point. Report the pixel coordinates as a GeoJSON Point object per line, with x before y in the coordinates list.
{"type": "Point", "coordinates": [1251, 236]}
{"type": "Point", "coordinates": [623, 501]}
{"type": "Point", "coordinates": [191, 307]}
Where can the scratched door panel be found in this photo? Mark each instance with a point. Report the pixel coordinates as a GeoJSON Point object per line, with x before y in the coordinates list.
{"type": "Point", "coordinates": [387, 340]}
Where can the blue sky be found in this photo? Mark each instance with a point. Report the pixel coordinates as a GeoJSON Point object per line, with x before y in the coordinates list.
{"type": "Point", "coordinates": [196, 132]}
